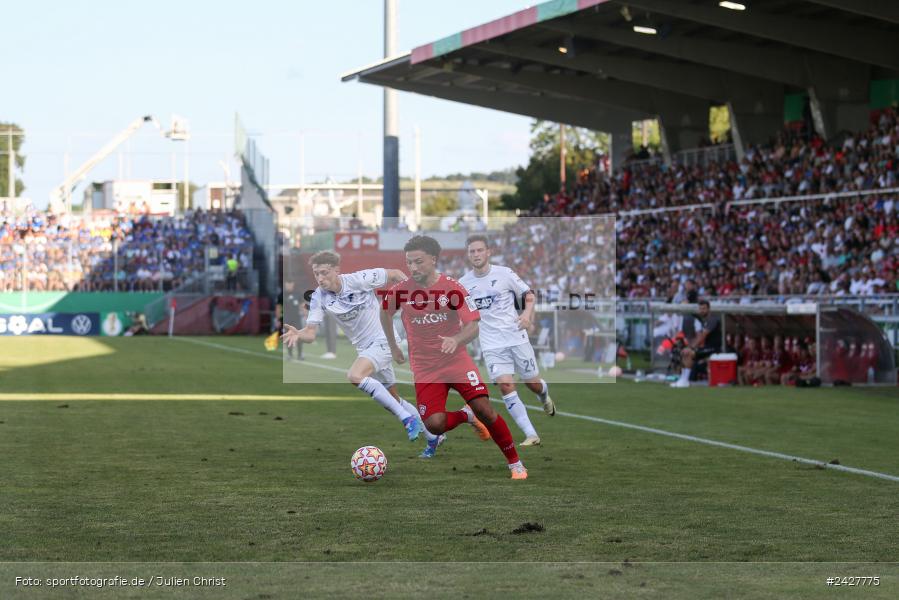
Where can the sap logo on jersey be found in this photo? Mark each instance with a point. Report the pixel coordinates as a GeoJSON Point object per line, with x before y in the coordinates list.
{"type": "Point", "coordinates": [430, 318]}
{"type": "Point", "coordinates": [349, 315]}
{"type": "Point", "coordinates": [484, 302]}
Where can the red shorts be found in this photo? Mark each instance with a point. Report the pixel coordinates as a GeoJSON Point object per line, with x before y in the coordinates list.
{"type": "Point", "coordinates": [431, 396]}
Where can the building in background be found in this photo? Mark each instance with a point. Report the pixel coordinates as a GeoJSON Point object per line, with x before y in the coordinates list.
{"type": "Point", "coordinates": [217, 195]}
{"type": "Point", "coordinates": [156, 197]}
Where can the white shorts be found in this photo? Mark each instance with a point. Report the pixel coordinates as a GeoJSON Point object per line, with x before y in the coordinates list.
{"type": "Point", "coordinates": [511, 360]}
{"type": "Point", "coordinates": [378, 353]}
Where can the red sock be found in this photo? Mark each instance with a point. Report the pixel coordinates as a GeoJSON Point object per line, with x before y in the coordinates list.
{"type": "Point", "coordinates": [455, 418]}
{"type": "Point", "coordinates": [500, 433]}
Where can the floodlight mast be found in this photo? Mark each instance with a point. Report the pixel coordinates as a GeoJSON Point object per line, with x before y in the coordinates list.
{"type": "Point", "coordinates": [391, 173]}
{"type": "Point", "coordinates": [61, 196]}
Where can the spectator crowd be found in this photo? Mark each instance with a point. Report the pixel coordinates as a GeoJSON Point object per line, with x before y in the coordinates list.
{"type": "Point", "coordinates": [104, 252]}
{"type": "Point", "coordinates": [839, 246]}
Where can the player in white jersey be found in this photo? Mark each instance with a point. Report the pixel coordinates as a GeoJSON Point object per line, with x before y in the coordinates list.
{"type": "Point", "coordinates": [503, 332]}
{"type": "Point", "coordinates": [351, 300]}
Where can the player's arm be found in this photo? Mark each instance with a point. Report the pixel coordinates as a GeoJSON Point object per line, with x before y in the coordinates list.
{"type": "Point", "coordinates": [467, 334]}
{"type": "Point", "coordinates": [306, 335]}
{"type": "Point", "coordinates": [395, 276]}
{"type": "Point", "coordinates": [519, 287]}
{"type": "Point", "coordinates": [385, 315]}
{"type": "Point", "coordinates": [469, 316]}
{"type": "Point", "coordinates": [526, 318]}
{"type": "Point", "coordinates": [373, 279]}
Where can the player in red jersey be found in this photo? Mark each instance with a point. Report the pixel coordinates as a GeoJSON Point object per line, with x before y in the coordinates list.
{"type": "Point", "coordinates": [440, 319]}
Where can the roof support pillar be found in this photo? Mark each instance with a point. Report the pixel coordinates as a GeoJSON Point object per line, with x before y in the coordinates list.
{"type": "Point", "coordinates": [622, 138]}
{"type": "Point", "coordinates": [683, 125]}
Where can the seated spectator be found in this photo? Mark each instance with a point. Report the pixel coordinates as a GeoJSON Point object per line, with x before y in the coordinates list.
{"type": "Point", "coordinates": [707, 342]}
{"type": "Point", "coordinates": [805, 370]}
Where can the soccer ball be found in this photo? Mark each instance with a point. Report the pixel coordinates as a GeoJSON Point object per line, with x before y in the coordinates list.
{"type": "Point", "coordinates": [369, 463]}
{"type": "Point", "coordinates": [615, 371]}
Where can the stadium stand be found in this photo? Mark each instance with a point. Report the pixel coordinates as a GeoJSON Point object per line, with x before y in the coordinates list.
{"type": "Point", "coordinates": [794, 163]}
{"type": "Point", "coordinates": [43, 252]}
{"type": "Point", "coordinates": [843, 245]}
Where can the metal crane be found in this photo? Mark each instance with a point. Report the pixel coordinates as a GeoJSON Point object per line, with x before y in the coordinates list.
{"type": "Point", "coordinates": [61, 196]}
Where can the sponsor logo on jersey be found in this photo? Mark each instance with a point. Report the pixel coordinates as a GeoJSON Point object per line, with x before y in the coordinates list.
{"type": "Point", "coordinates": [429, 318]}
{"type": "Point", "coordinates": [348, 315]}
{"type": "Point", "coordinates": [483, 302]}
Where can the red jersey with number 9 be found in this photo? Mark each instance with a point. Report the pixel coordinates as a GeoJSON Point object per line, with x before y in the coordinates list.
{"type": "Point", "coordinates": [429, 313]}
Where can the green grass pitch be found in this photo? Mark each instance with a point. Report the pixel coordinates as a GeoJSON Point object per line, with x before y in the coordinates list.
{"type": "Point", "coordinates": [130, 452]}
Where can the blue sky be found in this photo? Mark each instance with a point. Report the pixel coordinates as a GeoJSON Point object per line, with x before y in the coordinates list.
{"type": "Point", "coordinates": [83, 70]}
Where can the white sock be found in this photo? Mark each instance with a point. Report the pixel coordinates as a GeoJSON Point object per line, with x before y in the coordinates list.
{"type": "Point", "coordinates": [545, 389]}
{"type": "Point", "coordinates": [468, 412]}
{"type": "Point", "coordinates": [413, 410]}
{"type": "Point", "coordinates": [376, 390]}
{"type": "Point", "coordinates": [515, 464]}
{"type": "Point", "coordinates": [519, 414]}
{"type": "Point", "coordinates": [685, 374]}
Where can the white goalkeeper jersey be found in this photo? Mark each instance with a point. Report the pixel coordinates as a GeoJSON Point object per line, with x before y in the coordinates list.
{"type": "Point", "coordinates": [355, 307]}
{"type": "Point", "coordinates": [496, 294]}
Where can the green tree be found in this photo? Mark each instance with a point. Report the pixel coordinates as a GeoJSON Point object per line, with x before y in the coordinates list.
{"type": "Point", "coordinates": [542, 173]}
{"type": "Point", "coordinates": [647, 133]}
{"type": "Point", "coordinates": [438, 205]}
{"type": "Point", "coordinates": [17, 140]}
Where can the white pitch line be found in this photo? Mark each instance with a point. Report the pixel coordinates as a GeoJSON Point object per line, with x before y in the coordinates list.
{"type": "Point", "coordinates": [699, 440]}
{"type": "Point", "coordinates": [643, 428]}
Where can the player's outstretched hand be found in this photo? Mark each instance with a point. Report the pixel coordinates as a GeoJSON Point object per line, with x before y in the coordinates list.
{"type": "Point", "coordinates": [290, 336]}
{"type": "Point", "coordinates": [398, 355]}
{"type": "Point", "coordinates": [449, 344]}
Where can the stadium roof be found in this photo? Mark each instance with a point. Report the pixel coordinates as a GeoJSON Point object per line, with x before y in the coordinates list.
{"type": "Point", "coordinates": [581, 62]}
